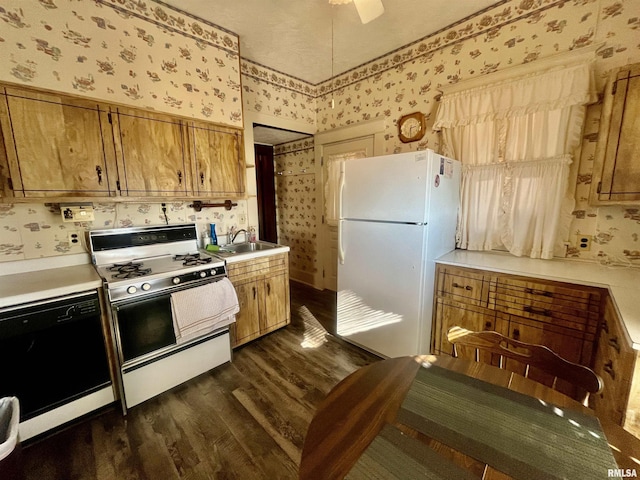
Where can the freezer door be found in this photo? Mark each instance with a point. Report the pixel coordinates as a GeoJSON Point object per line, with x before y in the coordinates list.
{"type": "Point", "coordinates": [387, 188]}
{"type": "Point", "coordinates": [380, 286]}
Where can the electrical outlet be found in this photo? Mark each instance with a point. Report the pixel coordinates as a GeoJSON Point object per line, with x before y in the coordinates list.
{"type": "Point", "coordinates": [242, 219]}
{"type": "Point", "coordinates": [74, 238]}
{"type": "Point", "coordinates": [584, 242]}
{"type": "Point", "coordinates": [77, 213]}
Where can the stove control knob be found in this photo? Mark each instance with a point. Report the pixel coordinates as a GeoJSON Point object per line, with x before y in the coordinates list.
{"type": "Point", "coordinates": [212, 272]}
{"type": "Point", "coordinates": [176, 280]}
{"type": "Point", "coordinates": [203, 274]}
{"type": "Point", "coordinates": [146, 286]}
{"type": "Point", "coordinates": [132, 289]}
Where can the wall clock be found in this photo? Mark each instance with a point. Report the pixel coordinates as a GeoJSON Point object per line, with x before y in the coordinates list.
{"type": "Point", "coordinates": [411, 127]}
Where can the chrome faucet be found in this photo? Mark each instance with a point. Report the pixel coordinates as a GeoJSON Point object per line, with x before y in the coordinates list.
{"type": "Point", "coordinates": [233, 234]}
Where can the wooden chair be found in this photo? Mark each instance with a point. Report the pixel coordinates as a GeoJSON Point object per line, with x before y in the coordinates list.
{"type": "Point", "coordinates": [585, 380]}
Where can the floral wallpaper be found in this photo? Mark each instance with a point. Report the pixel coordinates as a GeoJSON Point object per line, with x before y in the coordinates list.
{"type": "Point", "coordinates": [144, 54]}
{"type": "Point", "coordinates": [150, 55]}
{"type": "Point", "coordinates": [296, 198]}
{"type": "Point", "coordinates": [29, 231]}
{"type": "Point", "coordinates": [274, 93]}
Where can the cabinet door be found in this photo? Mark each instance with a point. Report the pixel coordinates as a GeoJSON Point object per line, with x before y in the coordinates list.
{"type": "Point", "coordinates": [151, 154]}
{"type": "Point", "coordinates": [57, 146]}
{"type": "Point", "coordinates": [616, 169]}
{"type": "Point", "coordinates": [276, 302]}
{"type": "Point", "coordinates": [450, 314]}
{"type": "Point", "coordinates": [614, 363]}
{"type": "Point", "coordinates": [216, 152]}
{"type": "Point", "coordinates": [572, 345]}
{"type": "Point", "coordinates": [247, 326]}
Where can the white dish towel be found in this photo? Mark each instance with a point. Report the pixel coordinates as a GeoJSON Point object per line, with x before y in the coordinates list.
{"type": "Point", "coordinates": [201, 310]}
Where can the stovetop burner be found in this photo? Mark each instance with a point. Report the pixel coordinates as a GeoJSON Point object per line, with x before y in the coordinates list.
{"type": "Point", "coordinates": [128, 270]}
{"type": "Point", "coordinates": [192, 259]}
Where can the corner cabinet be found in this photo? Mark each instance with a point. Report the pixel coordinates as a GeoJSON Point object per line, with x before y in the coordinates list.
{"type": "Point", "coordinates": [55, 146]}
{"type": "Point", "coordinates": [262, 286]}
{"type": "Point", "coordinates": [616, 171]}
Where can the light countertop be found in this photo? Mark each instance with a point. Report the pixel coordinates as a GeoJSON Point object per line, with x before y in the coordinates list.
{"type": "Point", "coordinates": [622, 282]}
{"type": "Point", "coordinates": [33, 286]}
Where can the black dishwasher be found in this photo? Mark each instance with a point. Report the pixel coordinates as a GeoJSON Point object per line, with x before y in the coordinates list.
{"type": "Point", "coordinates": [52, 352]}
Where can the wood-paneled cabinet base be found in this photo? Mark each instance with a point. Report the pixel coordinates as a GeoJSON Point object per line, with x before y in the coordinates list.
{"type": "Point", "coordinates": [262, 286]}
{"type": "Point", "coordinates": [563, 317]}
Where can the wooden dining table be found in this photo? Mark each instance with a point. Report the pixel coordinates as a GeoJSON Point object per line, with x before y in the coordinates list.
{"type": "Point", "coordinates": [369, 404]}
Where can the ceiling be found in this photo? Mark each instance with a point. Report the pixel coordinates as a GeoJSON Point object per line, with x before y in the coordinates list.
{"type": "Point", "coordinates": [295, 36]}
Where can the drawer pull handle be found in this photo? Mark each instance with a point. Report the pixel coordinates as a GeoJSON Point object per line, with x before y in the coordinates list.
{"type": "Point", "coordinates": [532, 291]}
{"type": "Point", "coordinates": [99, 173]}
{"type": "Point", "coordinates": [613, 342]}
{"type": "Point", "coordinates": [487, 325]}
{"type": "Point", "coordinates": [254, 293]}
{"type": "Point", "coordinates": [516, 334]}
{"type": "Point", "coordinates": [179, 173]}
{"type": "Point", "coordinates": [467, 287]}
{"type": "Point", "coordinates": [202, 179]}
{"type": "Point", "coordinates": [605, 326]}
{"type": "Point", "coordinates": [537, 311]}
{"type": "Point", "coordinates": [608, 367]}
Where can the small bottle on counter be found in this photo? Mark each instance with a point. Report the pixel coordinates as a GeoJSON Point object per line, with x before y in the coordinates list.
{"type": "Point", "coordinates": [205, 238]}
{"type": "Point", "coordinates": [214, 237]}
{"type": "Point", "coordinates": [252, 235]}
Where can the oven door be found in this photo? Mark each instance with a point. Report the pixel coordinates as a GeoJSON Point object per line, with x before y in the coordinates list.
{"type": "Point", "coordinates": [144, 326]}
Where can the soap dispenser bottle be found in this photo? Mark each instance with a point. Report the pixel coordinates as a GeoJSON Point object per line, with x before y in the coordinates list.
{"type": "Point", "coordinates": [214, 237]}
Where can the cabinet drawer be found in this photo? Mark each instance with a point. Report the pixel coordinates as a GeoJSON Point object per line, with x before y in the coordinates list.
{"type": "Point", "coordinates": [257, 267]}
{"type": "Point", "coordinates": [569, 307]}
{"type": "Point", "coordinates": [464, 285]}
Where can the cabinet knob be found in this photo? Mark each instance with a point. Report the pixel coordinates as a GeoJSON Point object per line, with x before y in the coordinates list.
{"type": "Point", "coordinates": [516, 334]}
{"type": "Point", "coordinates": [254, 293]}
{"type": "Point", "coordinates": [179, 172]}
{"type": "Point", "coordinates": [99, 173]}
{"type": "Point", "coordinates": [268, 288]}
{"type": "Point", "coordinates": [202, 179]}
{"type": "Point", "coordinates": [605, 326]}
{"type": "Point", "coordinates": [487, 325]}
{"type": "Point", "coordinates": [613, 342]}
{"type": "Point", "coordinates": [608, 367]}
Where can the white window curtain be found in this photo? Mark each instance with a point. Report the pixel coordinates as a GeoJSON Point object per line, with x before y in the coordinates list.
{"type": "Point", "coordinates": [515, 139]}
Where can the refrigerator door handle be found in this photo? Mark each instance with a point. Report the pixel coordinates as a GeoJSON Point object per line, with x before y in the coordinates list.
{"type": "Point", "coordinates": [340, 249]}
{"type": "Point", "coordinates": [340, 201]}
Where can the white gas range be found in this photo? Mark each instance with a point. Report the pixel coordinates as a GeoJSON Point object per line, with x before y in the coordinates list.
{"type": "Point", "coordinates": [144, 269]}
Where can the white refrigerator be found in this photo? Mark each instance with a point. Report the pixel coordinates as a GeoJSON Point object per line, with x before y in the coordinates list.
{"type": "Point", "coordinates": [398, 213]}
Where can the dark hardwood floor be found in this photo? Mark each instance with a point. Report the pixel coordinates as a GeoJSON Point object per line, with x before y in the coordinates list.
{"type": "Point", "coordinates": [245, 420]}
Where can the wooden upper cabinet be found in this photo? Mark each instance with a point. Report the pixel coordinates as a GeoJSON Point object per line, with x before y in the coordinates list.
{"type": "Point", "coordinates": [616, 174]}
{"type": "Point", "coordinates": [151, 153]}
{"type": "Point", "coordinates": [56, 145]}
{"type": "Point", "coordinates": [216, 154]}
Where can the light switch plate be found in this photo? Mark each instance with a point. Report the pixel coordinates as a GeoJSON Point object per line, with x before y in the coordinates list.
{"type": "Point", "coordinates": [242, 219]}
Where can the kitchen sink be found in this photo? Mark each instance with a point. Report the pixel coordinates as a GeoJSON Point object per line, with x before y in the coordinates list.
{"type": "Point", "coordinates": [240, 248]}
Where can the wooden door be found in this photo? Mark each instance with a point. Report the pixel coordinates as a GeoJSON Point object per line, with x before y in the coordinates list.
{"type": "Point", "coordinates": [219, 163]}
{"type": "Point", "coordinates": [276, 300]}
{"type": "Point", "coordinates": [266, 192]}
{"type": "Point", "coordinates": [151, 153]}
{"type": "Point", "coordinates": [336, 152]}
{"type": "Point", "coordinates": [57, 146]}
{"type": "Point", "coordinates": [247, 326]}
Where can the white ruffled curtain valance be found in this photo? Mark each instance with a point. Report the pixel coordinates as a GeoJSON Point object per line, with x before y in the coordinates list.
{"type": "Point", "coordinates": [515, 139]}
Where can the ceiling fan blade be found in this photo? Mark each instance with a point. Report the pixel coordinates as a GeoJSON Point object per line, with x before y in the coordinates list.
{"type": "Point", "coordinates": [369, 9]}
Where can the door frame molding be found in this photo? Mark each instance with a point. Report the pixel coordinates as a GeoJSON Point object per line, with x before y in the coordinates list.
{"type": "Point", "coordinates": [374, 128]}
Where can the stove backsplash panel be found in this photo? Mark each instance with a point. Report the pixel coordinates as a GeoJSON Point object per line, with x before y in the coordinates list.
{"type": "Point", "coordinates": [29, 231]}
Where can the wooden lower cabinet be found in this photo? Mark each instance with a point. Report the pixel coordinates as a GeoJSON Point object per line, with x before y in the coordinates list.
{"type": "Point", "coordinates": [561, 316]}
{"type": "Point", "coordinates": [262, 286]}
{"type": "Point", "coordinates": [616, 363]}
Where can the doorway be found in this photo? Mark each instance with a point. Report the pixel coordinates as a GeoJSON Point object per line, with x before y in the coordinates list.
{"type": "Point", "coordinates": [266, 193]}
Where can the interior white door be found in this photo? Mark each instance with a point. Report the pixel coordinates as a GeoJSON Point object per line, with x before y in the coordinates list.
{"type": "Point", "coordinates": [332, 155]}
